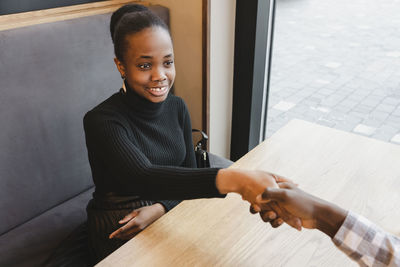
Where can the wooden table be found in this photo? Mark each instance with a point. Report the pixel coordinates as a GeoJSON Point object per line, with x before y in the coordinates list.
{"type": "Point", "coordinates": [355, 172]}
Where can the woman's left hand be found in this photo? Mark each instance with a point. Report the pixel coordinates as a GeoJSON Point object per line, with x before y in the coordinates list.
{"type": "Point", "coordinates": [138, 220]}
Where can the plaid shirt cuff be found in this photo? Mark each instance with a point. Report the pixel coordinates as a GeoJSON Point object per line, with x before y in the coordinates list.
{"type": "Point", "coordinates": [366, 243]}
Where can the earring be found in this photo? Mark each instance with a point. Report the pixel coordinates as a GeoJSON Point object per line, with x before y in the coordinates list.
{"type": "Point", "coordinates": [123, 84]}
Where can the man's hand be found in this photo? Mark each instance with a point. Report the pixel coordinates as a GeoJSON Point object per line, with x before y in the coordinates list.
{"type": "Point", "coordinates": [312, 211]}
{"type": "Point", "coordinates": [267, 210]}
{"type": "Point", "coordinates": [138, 220]}
{"type": "Point", "coordinates": [268, 214]}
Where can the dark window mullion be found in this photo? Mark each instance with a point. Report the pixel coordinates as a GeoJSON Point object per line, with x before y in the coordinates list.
{"type": "Point", "coordinates": [253, 31]}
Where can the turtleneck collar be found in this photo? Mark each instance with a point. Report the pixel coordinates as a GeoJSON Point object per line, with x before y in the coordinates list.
{"type": "Point", "coordinates": [141, 106]}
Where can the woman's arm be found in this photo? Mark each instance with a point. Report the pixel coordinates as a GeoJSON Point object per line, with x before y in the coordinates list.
{"type": "Point", "coordinates": [108, 139]}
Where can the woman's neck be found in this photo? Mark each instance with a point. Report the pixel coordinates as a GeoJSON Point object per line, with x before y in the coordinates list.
{"type": "Point", "coordinates": [140, 105]}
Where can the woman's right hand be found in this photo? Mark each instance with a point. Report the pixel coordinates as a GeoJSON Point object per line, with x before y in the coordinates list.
{"type": "Point", "coordinates": [250, 184]}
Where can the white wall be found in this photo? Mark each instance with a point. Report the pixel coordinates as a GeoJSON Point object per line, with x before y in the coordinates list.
{"type": "Point", "coordinates": [222, 31]}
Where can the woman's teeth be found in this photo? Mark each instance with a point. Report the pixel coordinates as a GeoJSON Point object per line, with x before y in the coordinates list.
{"type": "Point", "coordinates": [157, 89]}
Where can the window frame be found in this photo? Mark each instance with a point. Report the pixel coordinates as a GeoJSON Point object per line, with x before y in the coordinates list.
{"type": "Point", "coordinates": [254, 27]}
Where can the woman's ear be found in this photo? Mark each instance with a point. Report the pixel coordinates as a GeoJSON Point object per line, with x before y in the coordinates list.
{"type": "Point", "coordinates": [120, 67]}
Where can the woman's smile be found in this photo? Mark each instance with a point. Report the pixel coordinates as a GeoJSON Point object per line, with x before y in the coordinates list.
{"type": "Point", "coordinates": [158, 91]}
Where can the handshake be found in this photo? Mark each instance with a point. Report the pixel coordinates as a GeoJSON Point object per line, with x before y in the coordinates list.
{"type": "Point", "coordinates": [275, 198]}
{"type": "Point", "coordinates": [278, 200]}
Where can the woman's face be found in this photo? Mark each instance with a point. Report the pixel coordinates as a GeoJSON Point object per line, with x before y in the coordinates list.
{"type": "Point", "coordinates": [149, 63]}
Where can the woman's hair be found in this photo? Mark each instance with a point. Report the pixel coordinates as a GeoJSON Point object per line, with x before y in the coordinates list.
{"type": "Point", "coordinates": [130, 19]}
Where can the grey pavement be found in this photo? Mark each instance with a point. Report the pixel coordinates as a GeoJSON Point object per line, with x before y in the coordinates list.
{"type": "Point", "coordinates": [337, 63]}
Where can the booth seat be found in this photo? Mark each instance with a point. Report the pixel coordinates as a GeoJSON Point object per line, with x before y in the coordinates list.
{"type": "Point", "coordinates": [50, 75]}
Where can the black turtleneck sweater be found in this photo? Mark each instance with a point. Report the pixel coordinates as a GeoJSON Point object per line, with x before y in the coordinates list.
{"type": "Point", "coordinates": [137, 147]}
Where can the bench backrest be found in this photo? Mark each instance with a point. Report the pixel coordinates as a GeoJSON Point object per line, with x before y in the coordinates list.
{"type": "Point", "coordinates": [50, 75]}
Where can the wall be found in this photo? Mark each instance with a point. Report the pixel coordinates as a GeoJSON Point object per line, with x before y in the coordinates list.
{"type": "Point", "coordinates": [186, 30]}
{"type": "Point", "coordinates": [222, 32]}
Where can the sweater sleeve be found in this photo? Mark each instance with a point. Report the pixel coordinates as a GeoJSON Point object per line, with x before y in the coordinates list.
{"type": "Point", "coordinates": [169, 204]}
{"type": "Point", "coordinates": [107, 138]}
{"type": "Point", "coordinates": [190, 159]}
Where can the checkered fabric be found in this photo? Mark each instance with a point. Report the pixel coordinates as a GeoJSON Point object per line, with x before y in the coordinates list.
{"type": "Point", "coordinates": [366, 243]}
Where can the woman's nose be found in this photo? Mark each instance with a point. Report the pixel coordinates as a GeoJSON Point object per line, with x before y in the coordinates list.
{"type": "Point", "coordinates": [158, 74]}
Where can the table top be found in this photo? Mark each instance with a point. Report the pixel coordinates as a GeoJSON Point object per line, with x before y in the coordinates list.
{"type": "Point", "coordinates": [355, 172]}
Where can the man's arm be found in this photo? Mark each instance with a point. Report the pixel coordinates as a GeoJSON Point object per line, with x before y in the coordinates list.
{"type": "Point", "coordinates": [315, 213]}
{"type": "Point", "coordinates": [360, 239]}
{"type": "Point", "coordinates": [367, 243]}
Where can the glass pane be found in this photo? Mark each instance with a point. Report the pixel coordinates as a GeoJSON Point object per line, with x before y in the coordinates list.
{"type": "Point", "coordinates": [337, 63]}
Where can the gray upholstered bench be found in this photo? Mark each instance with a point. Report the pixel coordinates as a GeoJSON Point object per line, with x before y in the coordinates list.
{"type": "Point", "coordinates": [50, 75]}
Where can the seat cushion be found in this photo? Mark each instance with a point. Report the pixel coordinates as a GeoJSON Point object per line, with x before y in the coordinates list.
{"type": "Point", "coordinates": [31, 243]}
{"type": "Point", "coordinates": [72, 251]}
{"type": "Point", "coordinates": [219, 162]}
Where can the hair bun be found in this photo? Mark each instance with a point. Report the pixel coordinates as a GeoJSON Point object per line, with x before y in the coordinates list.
{"type": "Point", "coordinates": [120, 12]}
{"type": "Point", "coordinates": [131, 19]}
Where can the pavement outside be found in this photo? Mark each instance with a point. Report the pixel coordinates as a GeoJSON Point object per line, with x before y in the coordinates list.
{"type": "Point", "coordinates": [337, 63]}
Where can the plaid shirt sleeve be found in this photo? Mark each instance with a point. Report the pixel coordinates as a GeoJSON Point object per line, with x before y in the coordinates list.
{"type": "Point", "coordinates": [366, 243]}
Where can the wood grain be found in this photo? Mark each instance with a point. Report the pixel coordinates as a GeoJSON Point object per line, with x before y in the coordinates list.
{"type": "Point", "coordinates": [355, 172]}
{"type": "Point", "coordinates": [61, 13]}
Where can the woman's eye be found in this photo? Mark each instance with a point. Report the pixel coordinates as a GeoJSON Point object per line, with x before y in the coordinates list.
{"type": "Point", "coordinates": [144, 66]}
{"type": "Point", "coordinates": [169, 63]}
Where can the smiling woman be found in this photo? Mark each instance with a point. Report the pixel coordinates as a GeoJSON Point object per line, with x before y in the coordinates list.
{"type": "Point", "coordinates": [145, 60]}
{"type": "Point", "coordinates": [148, 63]}
{"type": "Point", "coordinates": [139, 140]}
